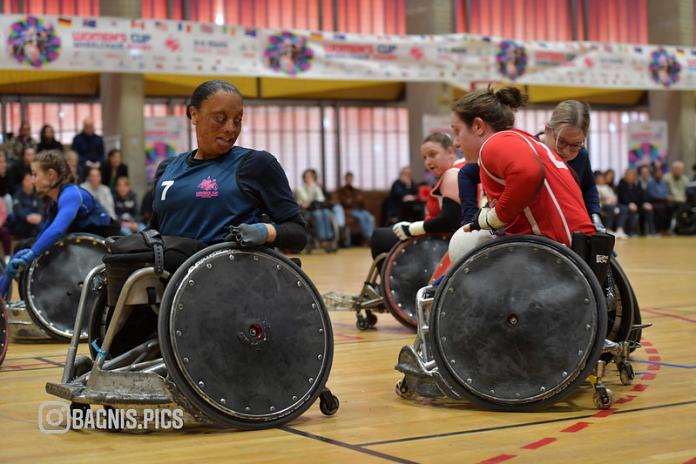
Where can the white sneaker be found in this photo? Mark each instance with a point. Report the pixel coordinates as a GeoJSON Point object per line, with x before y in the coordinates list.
{"type": "Point", "coordinates": [620, 235]}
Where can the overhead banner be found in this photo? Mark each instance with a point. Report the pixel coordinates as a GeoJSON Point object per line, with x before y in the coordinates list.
{"type": "Point", "coordinates": [180, 47]}
{"type": "Point", "coordinates": [647, 143]}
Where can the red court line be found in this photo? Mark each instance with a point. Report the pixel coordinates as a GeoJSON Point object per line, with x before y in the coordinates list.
{"type": "Point", "coordinates": [498, 458]}
{"type": "Point", "coordinates": [648, 376]}
{"type": "Point", "coordinates": [639, 387]}
{"type": "Point", "coordinates": [654, 358]}
{"type": "Point", "coordinates": [576, 427]}
{"type": "Point", "coordinates": [646, 343]}
{"type": "Point", "coordinates": [540, 443]}
{"type": "Point", "coordinates": [605, 413]}
{"type": "Point", "coordinates": [625, 399]}
{"type": "Point", "coordinates": [651, 350]}
{"type": "Point", "coordinates": [654, 367]}
{"type": "Point", "coordinates": [674, 316]}
{"type": "Point", "coordinates": [348, 337]}
{"type": "Point", "coordinates": [691, 461]}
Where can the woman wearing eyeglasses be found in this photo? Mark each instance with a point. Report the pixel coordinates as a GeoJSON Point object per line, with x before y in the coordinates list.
{"type": "Point", "coordinates": [565, 133]}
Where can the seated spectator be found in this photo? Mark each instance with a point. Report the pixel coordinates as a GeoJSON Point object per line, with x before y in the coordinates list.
{"type": "Point", "coordinates": [644, 178]}
{"type": "Point", "coordinates": [610, 178]}
{"type": "Point", "coordinates": [4, 181]}
{"type": "Point", "coordinates": [352, 201]}
{"type": "Point", "coordinates": [676, 182]}
{"type": "Point", "coordinates": [403, 203]}
{"type": "Point", "coordinates": [28, 210]}
{"type": "Point", "coordinates": [113, 168]}
{"type": "Point", "coordinates": [311, 198]}
{"type": "Point", "coordinates": [632, 196]}
{"type": "Point", "coordinates": [614, 214]}
{"type": "Point", "coordinates": [126, 207]}
{"type": "Point", "coordinates": [19, 169]}
{"type": "Point", "coordinates": [658, 195]}
{"type": "Point", "coordinates": [47, 140]}
{"type": "Point", "coordinates": [15, 147]}
{"type": "Point", "coordinates": [99, 191]}
{"type": "Point", "coordinates": [5, 236]}
{"type": "Point", "coordinates": [74, 163]}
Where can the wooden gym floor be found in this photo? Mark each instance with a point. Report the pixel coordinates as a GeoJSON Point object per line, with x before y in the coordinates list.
{"type": "Point", "coordinates": [653, 421]}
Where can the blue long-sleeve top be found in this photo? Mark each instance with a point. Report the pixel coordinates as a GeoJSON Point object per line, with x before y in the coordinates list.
{"type": "Point", "coordinates": [657, 190]}
{"type": "Point", "coordinates": [581, 166]}
{"type": "Point", "coordinates": [468, 180]}
{"type": "Point", "coordinates": [75, 210]}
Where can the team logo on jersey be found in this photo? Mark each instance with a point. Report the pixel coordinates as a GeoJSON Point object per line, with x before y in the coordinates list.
{"type": "Point", "coordinates": [208, 188]}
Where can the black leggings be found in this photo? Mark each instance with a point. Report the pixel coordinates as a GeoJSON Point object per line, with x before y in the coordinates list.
{"type": "Point", "coordinates": [383, 240]}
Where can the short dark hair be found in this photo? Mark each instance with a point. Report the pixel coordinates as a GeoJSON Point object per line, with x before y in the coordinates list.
{"type": "Point", "coordinates": [205, 90]}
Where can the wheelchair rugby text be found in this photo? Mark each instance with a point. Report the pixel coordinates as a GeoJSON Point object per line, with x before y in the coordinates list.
{"type": "Point", "coordinates": [56, 417]}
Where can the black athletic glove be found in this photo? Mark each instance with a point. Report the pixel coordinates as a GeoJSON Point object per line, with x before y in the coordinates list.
{"type": "Point", "coordinates": [248, 235]}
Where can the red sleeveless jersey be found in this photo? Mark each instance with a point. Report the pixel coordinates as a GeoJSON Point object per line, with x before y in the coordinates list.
{"type": "Point", "coordinates": [532, 189]}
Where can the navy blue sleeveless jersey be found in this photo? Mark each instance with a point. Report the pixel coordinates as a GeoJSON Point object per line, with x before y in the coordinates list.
{"type": "Point", "coordinates": [201, 199]}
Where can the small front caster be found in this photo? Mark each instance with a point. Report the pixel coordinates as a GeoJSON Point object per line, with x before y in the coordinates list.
{"type": "Point", "coordinates": [328, 403]}
{"type": "Point", "coordinates": [603, 398]}
{"type": "Point", "coordinates": [626, 373]}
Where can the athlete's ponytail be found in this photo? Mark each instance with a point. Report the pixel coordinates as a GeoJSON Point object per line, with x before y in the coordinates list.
{"type": "Point", "coordinates": [495, 107]}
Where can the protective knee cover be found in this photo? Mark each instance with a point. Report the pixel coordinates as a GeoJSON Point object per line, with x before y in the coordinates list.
{"type": "Point", "coordinates": [462, 243]}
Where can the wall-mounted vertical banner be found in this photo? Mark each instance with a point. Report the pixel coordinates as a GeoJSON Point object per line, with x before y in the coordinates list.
{"type": "Point", "coordinates": [647, 142]}
{"type": "Point", "coordinates": [165, 136]}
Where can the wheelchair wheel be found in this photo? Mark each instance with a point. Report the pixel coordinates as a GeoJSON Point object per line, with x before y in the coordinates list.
{"type": "Point", "coordinates": [4, 335]}
{"type": "Point", "coordinates": [52, 283]}
{"type": "Point", "coordinates": [620, 303]}
{"type": "Point", "coordinates": [517, 324]}
{"type": "Point", "coordinates": [245, 336]}
{"type": "Point", "coordinates": [140, 327]}
{"type": "Point", "coordinates": [408, 267]}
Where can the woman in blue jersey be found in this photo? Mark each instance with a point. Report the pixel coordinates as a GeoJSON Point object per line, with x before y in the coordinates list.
{"type": "Point", "coordinates": [70, 209]}
{"type": "Point", "coordinates": [221, 191]}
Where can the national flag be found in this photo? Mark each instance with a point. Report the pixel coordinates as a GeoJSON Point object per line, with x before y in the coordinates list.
{"type": "Point", "coordinates": [65, 22]}
{"type": "Point", "coordinates": [161, 26]}
{"type": "Point", "coordinates": [317, 36]}
{"type": "Point", "coordinates": [638, 49]}
{"type": "Point", "coordinates": [339, 36]}
{"type": "Point", "coordinates": [680, 51]}
{"type": "Point", "coordinates": [89, 23]}
{"type": "Point", "coordinates": [137, 24]}
{"type": "Point", "coordinates": [206, 28]}
{"type": "Point", "coordinates": [250, 32]}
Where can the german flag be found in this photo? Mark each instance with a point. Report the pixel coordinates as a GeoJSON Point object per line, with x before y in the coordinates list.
{"type": "Point", "coordinates": [65, 22]}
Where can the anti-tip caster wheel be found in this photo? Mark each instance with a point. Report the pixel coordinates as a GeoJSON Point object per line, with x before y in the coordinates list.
{"type": "Point", "coordinates": [626, 373]}
{"type": "Point", "coordinates": [362, 323]}
{"type": "Point", "coordinates": [402, 390]}
{"type": "Point", "coordinates": [83, 364]}
{"type": "Point", "coordinates": [603, 398]}
{"type": "Point", "coordinates": [371, 318]}
{"type": "Point", "coordinates": [328, 403]}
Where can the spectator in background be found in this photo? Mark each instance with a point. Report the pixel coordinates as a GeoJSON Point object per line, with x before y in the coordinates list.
{"type": "Point", "coordinates": [126, 207]}
{"type": "Point", "coordinates": [100, 192]}
{"type": "Point", "coordinates": [613, 212]}
{"type": "Point", "coordinates": [19, 169]}
{"type": "Point", "coordinates": [5, 236]}
{"type": "Point", "coordinates": [676, 182]}
{"type": "Point", "coordinates": [47, 139]}
{"type": "Point", "coordinates": [15, 147]}
{"type": "Point", "coordinates": [73, 160]}
{"type": "Point", "coordinates": [610, 179]}
{"type": "Point", "coordinates": [644, 179]}
{"type": "Point", "coordinates": [352, 201]}
{"type": "Point", "coordinates": [658, 195]}
{"type": "Point", "coordinates": [113, 168]}
{"type": "Point", "coordinates": [632, 196]}
{"type": "Point", "coordinates": [403, 204]}
{"type": "Point", "coordinates": [4, 180]}
{"type": "Point", "coordinates": [311, 198]}
{"type": "Point", "coordinates": [27, 210]}
{"type": "Point", "coordinates": [89, 146]}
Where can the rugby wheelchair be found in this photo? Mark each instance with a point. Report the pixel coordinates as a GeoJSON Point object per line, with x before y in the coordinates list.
{"type": "Point", "coordinates": [520, 321]}
{"type": "Point", "coordinates": [3, 330]}
{"type": "Point", "coordinates": [395, 277]}
{"type": "Point", "coordinates": [50, 287]}
{"type": "Point", "coordinates": [234, 337]}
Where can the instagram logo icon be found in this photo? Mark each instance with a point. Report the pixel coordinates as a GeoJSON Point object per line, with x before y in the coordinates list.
{"type": "Point", "coordinates": [54, 417]}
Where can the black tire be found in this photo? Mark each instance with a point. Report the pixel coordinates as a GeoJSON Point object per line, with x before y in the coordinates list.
{"type": "Point", "coordinates": [574, 378]}
{"type": "Point", "coordinates": [182, 383]}
{"type": "Point", "coordinates": [328, 403]}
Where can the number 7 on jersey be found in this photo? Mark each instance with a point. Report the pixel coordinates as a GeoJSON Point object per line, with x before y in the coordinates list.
{"type": "Point", "coordinates": [167, 184]}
